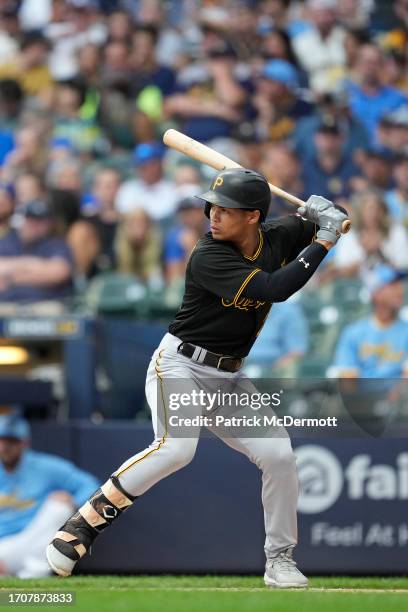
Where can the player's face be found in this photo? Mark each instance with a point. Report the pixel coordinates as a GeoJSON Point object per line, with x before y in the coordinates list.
{"type": "Point", "coordinates": [227, 223]}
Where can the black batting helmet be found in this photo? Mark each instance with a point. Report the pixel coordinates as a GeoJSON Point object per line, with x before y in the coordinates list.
{"type": "Point", "coordinates": [239, 188]}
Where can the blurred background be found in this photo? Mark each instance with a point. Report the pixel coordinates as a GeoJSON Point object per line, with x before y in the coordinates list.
{"type": "Point", "coordinates": [97, 221]}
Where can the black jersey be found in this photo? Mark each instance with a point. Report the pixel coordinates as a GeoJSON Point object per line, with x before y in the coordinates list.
{"type": "Point", "coordinates": [216, 312]}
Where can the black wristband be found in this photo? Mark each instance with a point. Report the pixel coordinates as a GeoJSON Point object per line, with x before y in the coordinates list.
{"type": "Point", "coordinates": [281, 284]}
{"type": "Point", "coordinates": [341, 209]}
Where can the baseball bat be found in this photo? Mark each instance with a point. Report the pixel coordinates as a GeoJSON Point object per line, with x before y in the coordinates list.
{"type": "Point", "coordinates": [192, 148]}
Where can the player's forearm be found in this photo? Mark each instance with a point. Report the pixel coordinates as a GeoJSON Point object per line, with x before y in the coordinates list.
{"type": "Point", "coordinates": [281, 284]}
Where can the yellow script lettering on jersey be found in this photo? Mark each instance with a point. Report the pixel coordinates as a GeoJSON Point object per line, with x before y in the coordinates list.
{"type": "Point", "coordinates": [242, 303]}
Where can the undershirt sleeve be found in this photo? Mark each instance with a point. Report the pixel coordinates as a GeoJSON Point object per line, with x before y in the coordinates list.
{"type": "Point", "coordinates": [281, 284]}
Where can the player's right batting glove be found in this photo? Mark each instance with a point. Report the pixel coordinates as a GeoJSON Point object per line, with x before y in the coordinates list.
{"type": "Point", "coordinates": [330, 222]}
{"type": "Point", "coordinates": [326, 215]}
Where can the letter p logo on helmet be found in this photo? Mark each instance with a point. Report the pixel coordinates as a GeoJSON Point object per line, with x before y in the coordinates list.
{"type": "Point", "coordinates": [218, 182]}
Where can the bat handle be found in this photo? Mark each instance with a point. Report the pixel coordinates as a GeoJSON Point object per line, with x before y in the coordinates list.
{"type": "Point", "coordinates": [346, 225]}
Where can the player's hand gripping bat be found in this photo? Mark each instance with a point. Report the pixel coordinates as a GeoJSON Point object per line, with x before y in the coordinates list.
{"type": "Point", "coordinates": [206, 155]}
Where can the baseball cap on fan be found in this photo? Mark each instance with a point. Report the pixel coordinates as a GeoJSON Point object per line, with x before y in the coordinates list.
{"type": "Point", "coordinates": [281, 71]}
{"type": "Point", "coordinates": [38, 209]}
{"type": "Point", "coordinates": [381, 276]}
{"type": "Point", "coordinates": [13, 425]}
{"type": "Point", "coordinates": [147, 151]}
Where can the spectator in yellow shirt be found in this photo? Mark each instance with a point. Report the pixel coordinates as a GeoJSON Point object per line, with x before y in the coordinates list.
{"type": "Point", "coordinates": [30, 68]}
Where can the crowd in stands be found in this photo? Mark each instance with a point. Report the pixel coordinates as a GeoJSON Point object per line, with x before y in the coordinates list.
{"type": "Point", "coordinates": [312, 93]}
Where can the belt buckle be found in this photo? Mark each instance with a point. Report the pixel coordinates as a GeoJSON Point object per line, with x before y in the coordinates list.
{"type": "Point", "coordinates": [220, 361]}
{"type": "Point", "coordinates": [227, 357]}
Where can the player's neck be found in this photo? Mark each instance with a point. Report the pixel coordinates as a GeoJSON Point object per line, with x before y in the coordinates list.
{"type": "Point", "coordinates": [248, 244]}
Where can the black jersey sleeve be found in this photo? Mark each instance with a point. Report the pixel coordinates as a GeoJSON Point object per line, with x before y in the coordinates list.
{"type": "Point", "coordinates": [281, 284]}
{"type": "Point", "coordinates": [220, 270]}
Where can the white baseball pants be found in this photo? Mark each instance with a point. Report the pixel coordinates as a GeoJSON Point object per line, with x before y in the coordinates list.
{"type": "Point", "coordinates": [272, 453]}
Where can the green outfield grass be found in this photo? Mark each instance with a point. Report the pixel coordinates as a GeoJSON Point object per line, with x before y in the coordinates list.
{"type": "Point", "coordinates": [218, 594]}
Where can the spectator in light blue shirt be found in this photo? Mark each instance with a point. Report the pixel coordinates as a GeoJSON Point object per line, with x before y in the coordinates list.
{"type": "Point", "coordinates": [38, 492]}
{"type": "Point", "coordinates": [376, 346]}
{"type": "Point", "coordinates": [284, 337]}
{"type": "Point", "coordinates": [369, 99]}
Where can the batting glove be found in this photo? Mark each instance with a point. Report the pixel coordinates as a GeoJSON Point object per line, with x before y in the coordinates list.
{"type": "Point", "coordinates": [314, 207]}
{"type": "Point", "coordinates": [330, 222]}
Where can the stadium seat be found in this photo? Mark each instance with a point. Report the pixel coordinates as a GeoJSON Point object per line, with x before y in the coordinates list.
{"type": "Point", "coordinates": [118, 294]}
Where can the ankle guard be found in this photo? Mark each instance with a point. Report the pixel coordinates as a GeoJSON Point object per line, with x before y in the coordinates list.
{"type": "Point", "coordinates": [105, 505]}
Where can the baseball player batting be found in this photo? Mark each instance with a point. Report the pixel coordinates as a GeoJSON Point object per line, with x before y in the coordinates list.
{"type": "Point", "coordinates": [234, 274]}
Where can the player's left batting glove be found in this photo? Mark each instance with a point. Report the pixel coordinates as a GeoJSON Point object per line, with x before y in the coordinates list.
{"type": "Point", "coordinates": [314, 207]}
{"type": "Point", "coordinates": [328, 216]}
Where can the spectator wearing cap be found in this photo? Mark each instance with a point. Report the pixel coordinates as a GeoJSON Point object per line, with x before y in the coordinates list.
{"type": "Point", "coordinates": [397, 198]}
{"type": "Point", "coordinates": [276, 101]}
{"type": "Point", "coordinates": [30, 67]}
{"type": "Point", "coordinates": [369, 99]}
{"type": "Point", "coordinates": [376, 169]}
{"type": "Point", "coordinates": [180, 240]}
{"type": "Point", "coordinates": [7, 198]}
{"type": "Point", "coordinates": [330, 172]}
{"type": "Point", "coordinates": [392, 132]}
{"type": "Point", "coordinates": [34, 265]}
{"type": "Point", "coordinates": [331, 107]}
{"type": "Point", "coordinates": [38, 491]}
{"type": "Point", "coordinates": [320, 49]}
{"type": "Point", "coordinates": [376, 346]}
{"type": "Point", "coordinates": [150, 190]}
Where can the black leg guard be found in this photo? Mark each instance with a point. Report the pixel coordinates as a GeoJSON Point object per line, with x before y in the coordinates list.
{"type": "Point", "coordinates": [76, 536]}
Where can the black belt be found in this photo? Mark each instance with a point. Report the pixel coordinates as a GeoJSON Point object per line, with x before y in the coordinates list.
{"type": "Point", "coordinates": [226, 363]}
